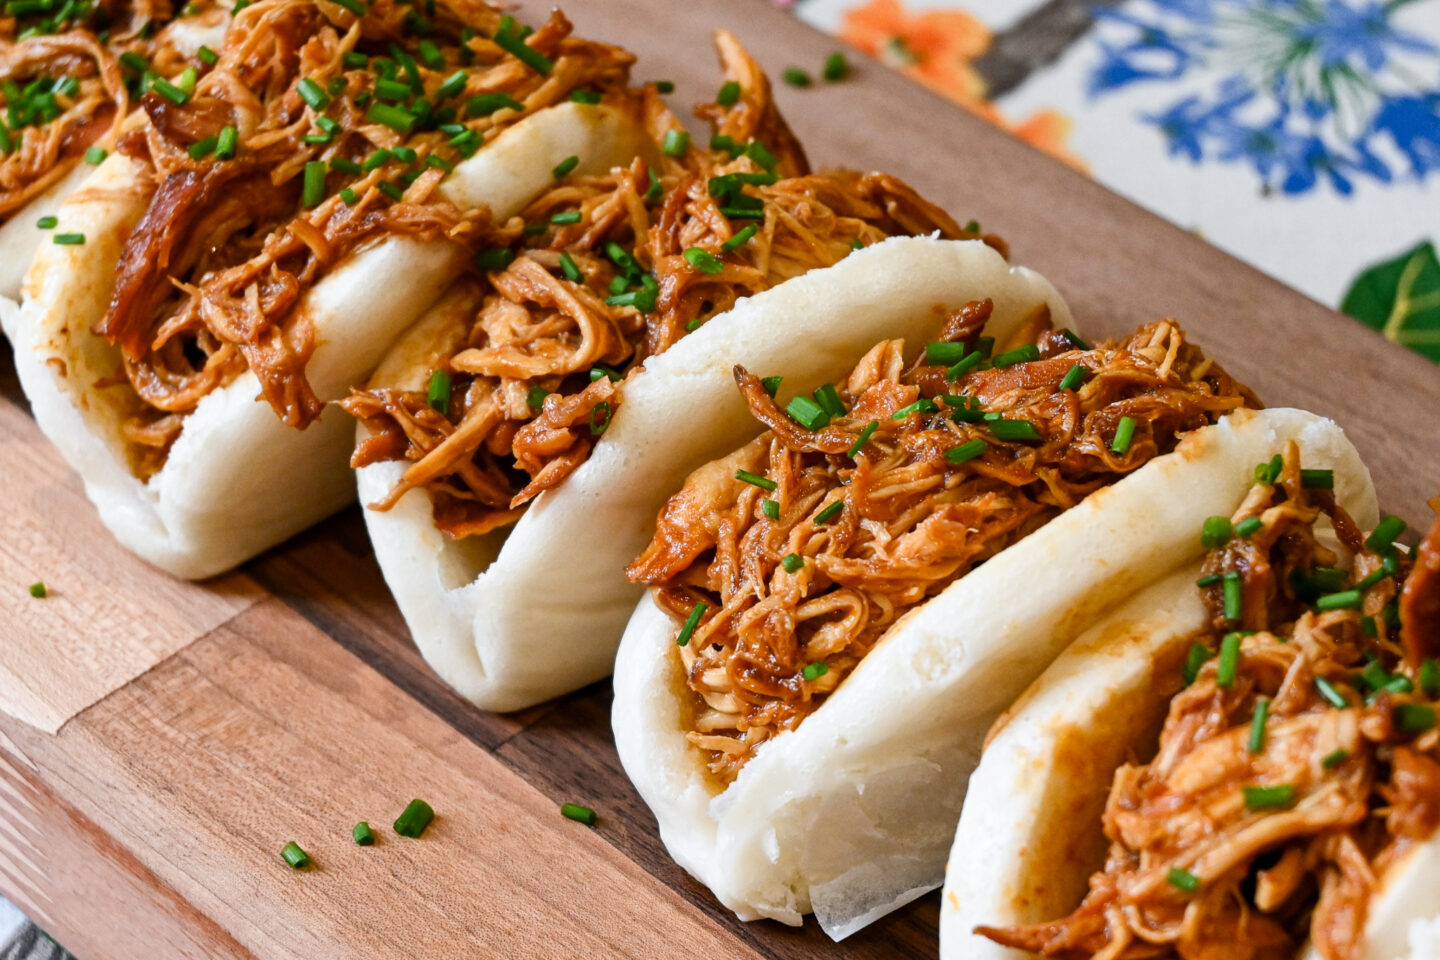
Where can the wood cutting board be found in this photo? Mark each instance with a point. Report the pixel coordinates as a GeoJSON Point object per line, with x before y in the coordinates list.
{"type": "Point", "coordinates": [150, 826]}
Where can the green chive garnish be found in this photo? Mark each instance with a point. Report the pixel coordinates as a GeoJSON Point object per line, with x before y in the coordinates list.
{"type": "Point", "coordinates": [1414, 717]}
{"type": "Point", "coordinates": [755, 480]}
{"type": "Point", "coordinates": [355, 60]}
{"type": "Point", "coordinates": [47, 223]}
{"type": "Point", "coordinates": [487, 103]}
{"type": "Point", "coordinates": [791, 562]}
{"type": "Point", "coordinates": [202, 148]}
{"type": "Point", "coordinates": [943, 353]}
{"type": "Point", "coordinates": [438, 396]}
{"type": "Point", "coordinates": [313, 190]}
{"type": "Point", "coordinates": [345, 165]}
{"type": "Point", "coordinates": [1269, 798]}
{"type": "Point", "coordinates": [1385, 534]}
{"type": "Point", "coordinates": [294, 856]}
{"type": "Point", "coordinates": [1257, 724]}
{"type": "Point", "coordinates": [835, 68]}
{"type": "Point", "coordinates": [966, 451]}
{"type": "Point", "coordinates": [829, 399]}
{"type": "Point", "coordinates": [1183, 880]}
{"type": "Point", "coordinates": [1229, 660]}
{"type": "Point", "coordinates": [535, 397]}
{"type": "Point", "coordinates": [1029, 352]}
{"type": "Point", "coordinates": [1233, 595]}
{"type": "Point", "coordinates": [966, 364]}
{"type": "Point", "coordinates": [207, 56]}
{"type": "Point", "coordinates": [170, 92]}
{"type": "Point", "coordinates": [38, 590]}
{"type": "Point", "coordinates": [415, 818]}
{"type": "Point", "coordinates": [354, 6]}
{"type": "Point", "coordinates": [572, 272]}
{"type": "Point", "coordinates": [1430, 676]}
{"type": "Point", "coordinates": [439, 163]}
{"type": "Point", "coordinates": [1216, 532]}
{"type": "Point", "coordinates": [313, 94]}
{"type": "Point", "coordinates": [923, 405]}
{"type": "Point", "coordinates": [573, 811]}
{"type": "Point", "coordinates": [1014, 430]}
{"type": "Point", "coordinates": [1331, 695]}
{"type": "Point", "coordinates": [363, 834]}
{"type": "Point", "coordinates": [564, 167]}
{"type": "Point", "coordinates": [1124, 434]}
{"type": "Point", "coordinates": [829, 513]}
{"type": "Point", "coordinates": [1333, 759]}
{"type": "Point", "coordinates": [771, 384]}
{"type": "Point", "coordinates": [1194, 660]}
{"type": "Point", "coordinates": [391, 191]}
{"type": "Point", "coordinates": [585, 96]}
{"type": "Point", "coordinates": [493, 258]}
{"type": "Point", "coordinates": [676, 142]}
{"type": "Point", "coordinates": [70, 239]}
{"type": "Point", "coordinates": [570, 216]}
{"type": "Point", "coordinates": [95, 156]}
{"type": "Point", "coordinates": [1209, 580]}
{"type": "Point", "coordinates": [1074, 377]}
{"type": "Point", "coordinates": [1269, 471]}
{"type": "Point", "coordinates": [1317, 479]}
{"type": "Point", "coordinates": [226, 145]}
{"type": "Point", "coordinates": [864, 438]}
{"type": "Point", "coordinates": [729, 94]}
{"type": "Point", "coordinates": [641, 300]}
{"type": "Point", "coordinates": [1344, 600]}
{"type": "Point", "coordinates": [796, 77]}
{"type": "Point", "coordinates": [807, 413]}
{"type": "Point", "coordinates": [391, 90]}
{"type": "Point", "coordinates": [600, 418]}
{"type": "Point", "coordinates": [814, 671]}
{"type": "Point", "coordinates": [741, 238]}
{"type": "Point", "coordinates": [396, 118]}
{"type": "Point", "coordinates": [652, 193]}
{"type": "Point", "coordinates": [508, 38]}
{"type": "Point", "coordinates": [1246, 527]}
{"type": "Point", "coordinates": [771, 508]}
{"type": "Point", "coordinates": [691, 622]}
{"type": "Point", "coordinates": [704, 261]}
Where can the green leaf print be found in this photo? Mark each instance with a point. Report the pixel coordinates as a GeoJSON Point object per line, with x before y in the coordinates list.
{"type": "Point", "coordinates": [1401, 299]}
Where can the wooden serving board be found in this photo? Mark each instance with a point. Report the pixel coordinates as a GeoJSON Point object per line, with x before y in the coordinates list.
{"type": "Point", "coordinates": [150, 826]}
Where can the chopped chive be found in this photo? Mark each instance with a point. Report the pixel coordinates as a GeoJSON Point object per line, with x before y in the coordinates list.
{"type": "Point", "coordinates": [835, 67]}
{"type": "Point", "coordinates": [438, 396]}
{"type": "Point", "coordinates": [355, 60]}
{"type": "Point", "coordinates": [729, 94]}
{"type": "Point", "coordinates": [170, 92]}
{"type": "Point", "coordinates": [312, 93]}
{"type": "Point", "coordinates": [1015, 430]}
{"type": "Point", "coordinates": [294, 856]}
{"type": "Point", "coordinates": [864, 438]}
{"type": "Point", "coordinates": [1317, 479]}
{"type": "Point", "coordinates": [186, 81]}
{"type": "Point", "coordinates": [1375, 675]}
{"type": "Point", "coordinates": [363, 834]}
{"type": "Point", "coordinates": [349, 196]}
{"type": "Point", "coordinates": [796, 77]}
{"type": "Point", "coordinates": [771, 508]}
{"type": "Point", "coordinates": [585, 96]}
{"type": "Point", "coordinates": [1414, 717]}
{"type": "Point", "coordinates": [95, 156]}
{"type": "Point", "coordinates": [391, 90]}
{"type": "Point", "coordinates": [226, 145]}
{"type": "Point", "coordinates": [38, 590]}
{"type": "Point", "coordinates": [414, 818]}
{"type": "Point", "coordinates": [743, 213]}
{"type": "Point", "coordinates": [573, 811]}
{"type": "Point", "coordinates": [316, 138]}
{"type": "Point", "coordinates": [676, 143]}
{"type": "Point", "coordinates": [807, 413]}
{"type": "Point", "coordinates": [1246, 527]}
{"type": "Point", "coordinates": [600, 418]}
{"type": "Point", "coordinates": [391, 191]}
{"type": "Point", "coordinates": [1430, 676]}
{"type": "Point", "coordinates": [345, 165]}
{"type": "Point", "coordinates": [704, 261]}
{"type": "Point", "coordinates": [1385, 534]}
{"type": "Point", "coordinates": [641, 300]}
{"type": "Point", "coordinates": [354, 6]}
{"type": "Point", "coordinates": [1194, 660]}
{"type": "Point", "coordinates": [207, 56]}
{"type": "Point", "coordinates": [134, 61]}
{"type": "Point", "coordinates": [1344, 600]}
{"type": "Point", "coordinates": [1074, 377]}
{"type": "Point", "coordinates": [652, 193]}
{"type": "Point", "coordinates": [598, 371]}
{"type": "Point", "coordinates": [1257, 724]}
{"type": "Point", "coordinates": [771, 384]}
{"type": "Point", "coordinates": [431, 56]}
{"type": "Point", "coordinates": [453, 86]}
{"type": "Point", "coordinates": [965, 364]}
{"type": "Point", "coordinates": [1183, 880]}
{"type": "Point", "coordinates": [1216, 532]}
{"type": "Point", "coordinates": [509, 39]}
{"type": "Point", "coordinates": [943, 353]}
{"type": "Point", "coordinates": [691, 622]}
{"type": "Point", "coordinates": [1209, 580]}
{"type": "Point", "coordinates": [1269, 471]}
{"type": "Point", "coordinates": [923, 405]}
{"type": "Point", "coordinates": [493, 258]}
{"type": "Point", "coordinates": [1067, 333]}
{"type": "Point", "coordinates": [829, 399]}
{"type": "Point", "coordinates": [755, 480]}
{"type": "Point", "coordinates": [439, 163]}
{"type": "Point", "coordinates": [535, 398]}
{"type": "Point", "coordinates": [1369, 627]}
{"type": "Point", "coordinates": [741, 238]}
{"type": "Point", "coordinates": [69, 239]}
{"type": "Point", "coordinates": [329, 126]}
{"type": "Point", "coordinates": [336, 86]}
{"type": "Point", "coordinates": [1233, 595]}
{"type": "Point", "coordinates": [396, 118]}
{"type": "Point", "coordinates": [1229, 660]}
{"type": "Point", "coordinates": [313, 190]}
{"type": "Point", "coordinates": [572, 272]}
{"type": "Point", "coordinates": [1024, 354]}
{"type": "Point", "coordinates": [829, 513]}
{"type": "Point", "coordinates": [791, 562]}
{"type": "Point", "coordinates": [564, 167]}
{"type": "Point", "coordinates": [1124, 434]}
{"type": "Point", "coordinates": [1331, 695]}
{"type": "Point", "coordinates": [202, 148]}
{"type": "Point", "coordinates": [966, 451]}
{"type": "Point", "coordinates": [814, 671]}
{"type": "Point", "coordinates": [1269, 798]}
{"type": "Point", "coordinates": [47, 223]}
{"type": "Point", "coordinates": [857, 244]}
{"type": "Point", "coordinates": [377, 159]}
{"type": "Point", "coordinates": [664, 86]}
{"type": "Point", "coordinates": [482, 105]}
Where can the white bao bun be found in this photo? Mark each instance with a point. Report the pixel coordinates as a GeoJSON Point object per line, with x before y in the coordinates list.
{"type": "Point", "coordinates": [511, 621]}
{"type": "Point", "coordinates": [237, 480]}
{"type": "Point", "coordinates": [850, 814]}
{"type": "Point", "coordinates": [1029, 836]}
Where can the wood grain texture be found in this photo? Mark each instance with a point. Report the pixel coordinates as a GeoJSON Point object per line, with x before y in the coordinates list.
{"type": "Point", "coordinates": [311, 709]}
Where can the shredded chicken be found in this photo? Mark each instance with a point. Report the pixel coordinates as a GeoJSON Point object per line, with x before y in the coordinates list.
{"type": "Point", "coordinates": [798, 570]}
{"type": "Point", "coordinates": [210, 278]}
{"type": "Point", "coordinates": [1243, 838]}
{"type": "Point", "coordinates": [642, 256]}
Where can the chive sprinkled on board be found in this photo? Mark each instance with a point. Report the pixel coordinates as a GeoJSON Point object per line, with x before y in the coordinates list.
{"type": "Point", "coordinates": [38, 590]}
{"type": "Point", "coordinates": [294, 856]}
{"type": "Point", "coordinates": [574, 811]}
{"type": "Point", "coordinates": [415, 818]}
{"type": "Point", "coordinates": [363, 835]}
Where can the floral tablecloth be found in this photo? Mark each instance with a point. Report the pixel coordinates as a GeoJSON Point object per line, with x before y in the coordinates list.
{"type": "Point", "coordinates": [1303, 136]}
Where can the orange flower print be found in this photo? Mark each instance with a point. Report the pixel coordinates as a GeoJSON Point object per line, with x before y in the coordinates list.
{"type": "Point", "coordinates": [937, 48]}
